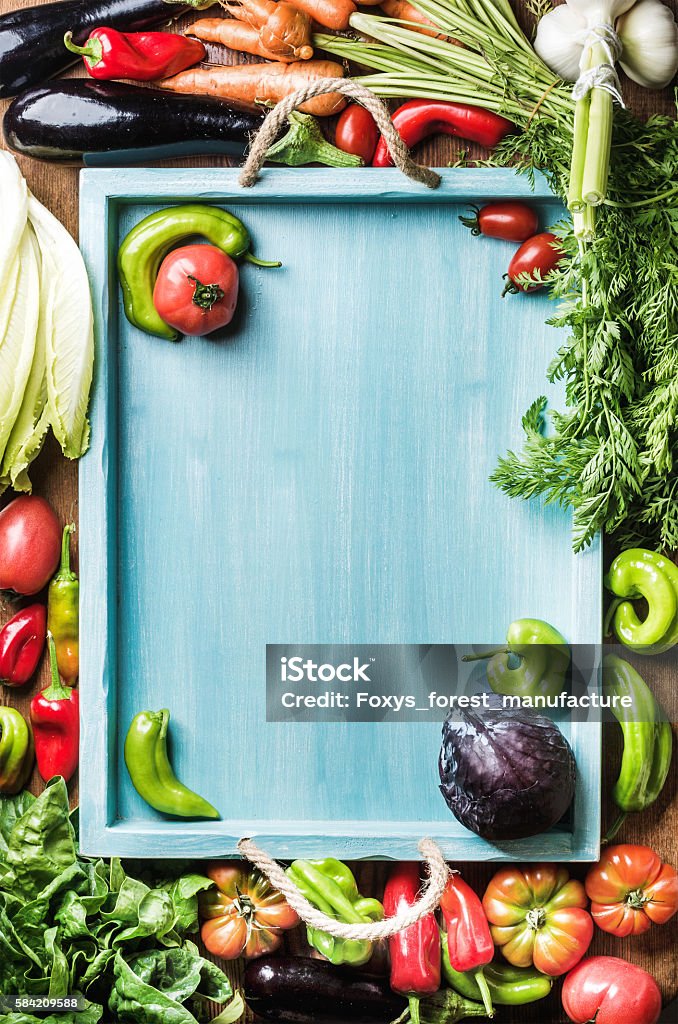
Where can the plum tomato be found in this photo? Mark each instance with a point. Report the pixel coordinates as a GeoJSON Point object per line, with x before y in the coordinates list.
{"type": "Point", "coordinates": [511, 220]}
{"type": "Point", "coordinates": [357, 132]}
{"type": "Point", "coordinates": [536, 257]}
{"type": "Point", "coordinates": [30, 544]}
{"type": "Point", "coordinates": [196, 289]}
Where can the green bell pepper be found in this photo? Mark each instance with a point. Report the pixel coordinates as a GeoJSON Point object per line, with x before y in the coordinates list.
{"type": "Point", "coordinates": [17, 751]}
{"type": "Point", "coordinates": [330, 886]}
{"type": "Point", "coordinates": [544, 657]}
{"type": "Point", "coordinates": [640, 573]}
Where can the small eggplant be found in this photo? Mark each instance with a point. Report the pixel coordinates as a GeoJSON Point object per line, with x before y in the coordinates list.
{"type": "Point", "coordinates": [110, 123]}
{"type": "Point", "coordinates": [299, 990]}
{"type": "Point", "coordinates": [32, 41]}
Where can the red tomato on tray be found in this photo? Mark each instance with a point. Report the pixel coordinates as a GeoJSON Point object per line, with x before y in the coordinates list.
{"type": "Point", "coordinates": [510, 220]}
{"type": "Point", "coordinates": [196, 290]}
{"type": "Point", "coordinates": [611, 991]}
{"type": "Point", "coordinates": [536, 257]}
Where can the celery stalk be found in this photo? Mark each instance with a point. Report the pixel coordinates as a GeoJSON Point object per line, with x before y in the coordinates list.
{"type": "Point", "coordinates": [599, 141]}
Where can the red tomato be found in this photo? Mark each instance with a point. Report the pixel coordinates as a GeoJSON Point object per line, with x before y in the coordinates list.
{"type": "Point", "coordinates": [512, 221]}
{"type": "Point", "coordinates": [630, 889]}
{"type": "Point", "coordinates": [539, 255]}
{"type": "Point", "coordinates": [611, 991]}
{"type": "Point", "coordinates": [30, 544]}
{"type": "Point", "coordinates": [357, 132]}
{"type": "Point", "coordinates": [196, 289]}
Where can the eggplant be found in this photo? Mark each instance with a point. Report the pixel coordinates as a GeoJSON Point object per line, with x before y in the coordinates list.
{"type": "Point", "coordinates": [299, 990]}
{"type": "Point", "coordinates": [111, 123]}
{"type": "Point", "coordinates": [32, 41]}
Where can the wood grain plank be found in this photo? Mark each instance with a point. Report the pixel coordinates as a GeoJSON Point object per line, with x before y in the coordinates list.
{"type": "Point", "coordinates": [56, 478]}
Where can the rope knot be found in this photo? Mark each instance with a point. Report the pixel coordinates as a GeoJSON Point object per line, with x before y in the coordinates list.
{"type": "Point", "coordinates": [602, 76]}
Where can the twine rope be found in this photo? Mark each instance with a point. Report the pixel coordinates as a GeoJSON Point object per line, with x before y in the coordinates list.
{"type": "Point", "coordinates": [603, 76]}
{"type": "Point", "coordinates": [277, 119]}
{"type": "Point", "coordinates": [438, 874]}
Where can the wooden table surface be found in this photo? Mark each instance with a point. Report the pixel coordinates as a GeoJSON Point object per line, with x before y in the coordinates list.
{"type": "Point", "coordinates": [56, 479]}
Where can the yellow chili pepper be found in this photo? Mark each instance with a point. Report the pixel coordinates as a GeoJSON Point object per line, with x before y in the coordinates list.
{"type": "Point", "coordinates": [63, 600]}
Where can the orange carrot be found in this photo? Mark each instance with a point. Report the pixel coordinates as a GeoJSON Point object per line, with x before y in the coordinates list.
{"type": "Point", "coordinates": [247, 85]}
{"type": "Point", "coordinates": [329, 13]}
{"type": "Point", "coordinates": [405, 11]}
{"type": "Point", "coordinates": [279, 30]}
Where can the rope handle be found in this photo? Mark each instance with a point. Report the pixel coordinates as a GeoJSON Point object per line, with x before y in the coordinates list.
{"type": "Point", "coordinates": [277, 118]}
{"type": "Point", "coordinates": [429, 900]}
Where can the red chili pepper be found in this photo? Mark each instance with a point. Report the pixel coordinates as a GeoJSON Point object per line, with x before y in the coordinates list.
{"type": "Point", "coordinates": [469, 940]}
{"type": "Point", "coordinates": [417, 119]}
{"type": "Point", "coordinates": [415, 952]}
{"type": "Point", "coordinates": [141, 56]}
{"type": "Point", "coordinates": [55, 715]}
{"type": "Point", "coordinates": [22, 641]}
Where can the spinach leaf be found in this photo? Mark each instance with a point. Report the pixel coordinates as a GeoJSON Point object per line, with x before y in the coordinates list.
{"type": "Point", "coordinates": [92, 1014]}
{"type": "Point", "coordinates": [11, 809]}
{"type": "Point", "coordinates": [134, 1001]}
{"type": "Point", "coordinates": [57, 965]}
{"type": "Point", "coordinates": [42, 843]}
{"type": "Point", "coordinates": [184, 892]}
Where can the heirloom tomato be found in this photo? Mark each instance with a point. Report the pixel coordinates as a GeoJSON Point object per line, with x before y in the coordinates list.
{"type": "Point", "coordinates": [630, 889]}
{"type": "Point", "coordinates": [608, 990]}
{"type": "Point", "coordinates": [243, 915]}
{"type": "Point", "coordinates": [537, 917]}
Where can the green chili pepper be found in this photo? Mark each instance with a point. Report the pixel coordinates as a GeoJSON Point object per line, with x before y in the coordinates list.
{"type": "Point", "coordinates": [509, 986]}
{"type": "Point", "coordinates": [544, 661]}
{"type": "Point", "coordinates": [16, 751]}
{"type": "Point", "coordinates": [151, 772]}
{"type": "Point", "coordinates": [145, 247]}
{"type": "Point", "coordinates": [330, 886]}
{"type": "Point", "coordinates": [648, 740]}
{"type": "Point", "coordinates": [639, 573]}
{"type": "Point", "coordinates": [63, 600]}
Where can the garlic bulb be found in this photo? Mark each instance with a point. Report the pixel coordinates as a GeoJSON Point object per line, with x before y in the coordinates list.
{"type": "Point", "coordinates": [560, 39]}
{"type": "Point", "coordinates": [650, 38]}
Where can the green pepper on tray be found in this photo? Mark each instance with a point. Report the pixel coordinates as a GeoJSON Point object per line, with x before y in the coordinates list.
{"type": "Point", "coordinates": [544, 657]}
{"type": "Point", "coordinates": [144, 248]}
{"type": "Point", "coordinates": [330, 886]}
{"type": "Point", "coordinates": [640, 573]}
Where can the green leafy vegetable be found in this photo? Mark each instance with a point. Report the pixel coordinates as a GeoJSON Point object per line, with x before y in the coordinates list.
{"type": "Point", "coordinates": [71, 925]}
{"type": "Point", "coordinates": [611, 455]}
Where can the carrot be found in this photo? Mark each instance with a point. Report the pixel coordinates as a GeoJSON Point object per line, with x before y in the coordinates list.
{"type": "Point", "coordinates": [405, 11]}
{"type": "Point", "coordinates": [279, 30]}
{"type": "Point", "coordinates": [247, 85]}
{"type": "Point", "coordinates": [329, 13]}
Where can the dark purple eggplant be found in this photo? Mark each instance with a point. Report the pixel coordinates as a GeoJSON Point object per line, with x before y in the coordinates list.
{"type": "Point", "coordinates": [506, 773]}
{"type": "Point", "coordinates": [298, 990]}
{"type": "Point", "coordinates": [32, 40]}
{"type": "Point", "coordinates": [109, 123]}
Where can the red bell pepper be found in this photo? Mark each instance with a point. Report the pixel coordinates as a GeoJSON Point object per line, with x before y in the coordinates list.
{"type": "Point", "coordinates": [415, 952]}
{"type": "Point", "coordinates": [141, 56]}
{"type": "Point", "coordinates": [55, 715]}
{"type": "Point", "coordinates": [417, 119]}
{"type": "Point", "coordinates": [22, 641]}
{"type": "Point", "coordinates": [469, 940]}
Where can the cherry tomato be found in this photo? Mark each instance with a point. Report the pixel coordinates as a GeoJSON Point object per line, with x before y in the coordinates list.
{"type": "Point", "coordinates": [537, 917]}
{"type": "Point", "coordinates": [611, 991]}
{"type": "Point", "coordinates": [357, 132]}
{"type": "Point", "coordinates": [631, 889]}
{"type": "Point", "coordinates": [30, 544]}
{"type": "Point", "coordinates": [512, 221]}
{"type": "Point", "coordinates": [196, 289]}
{"type": "Point", "coordinates": [538, 255]}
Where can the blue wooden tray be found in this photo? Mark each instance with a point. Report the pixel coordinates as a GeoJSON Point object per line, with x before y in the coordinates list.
{"type": "Point", "coordinates": [317, 474]}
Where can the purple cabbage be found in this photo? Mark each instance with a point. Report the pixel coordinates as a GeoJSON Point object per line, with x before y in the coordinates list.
{"type": "Point", "coordinates": [506, 773]}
